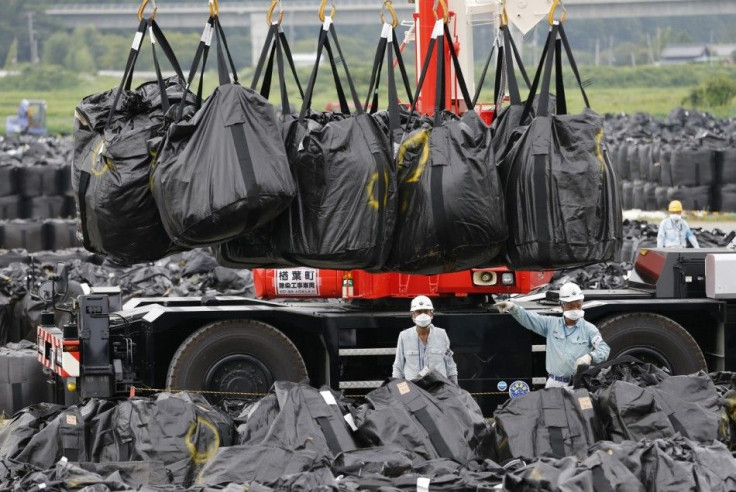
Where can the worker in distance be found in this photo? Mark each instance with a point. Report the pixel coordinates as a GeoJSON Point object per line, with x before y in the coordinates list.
{"type": "Point", "coordinates": [423, 347]}
{"type": "Point", "coordinates": [674, 232]}
{"type": "Point", "coordinates": [571, 341]}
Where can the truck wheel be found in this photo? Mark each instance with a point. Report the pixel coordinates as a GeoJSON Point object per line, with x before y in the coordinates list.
{"type": "Point", "coordinates": [653, 338]}
{"type": "Point", "coordinates": [234, 356]}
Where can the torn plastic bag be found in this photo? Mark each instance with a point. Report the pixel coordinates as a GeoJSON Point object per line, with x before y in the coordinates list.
{"type": "Point", "coordinates": [562, 199]}
{"type": "Point", "coordinates": [256, 248]}
{"type": "Point", "coordinates": [118, 216]}
{"type": "Point", "coordinates": [550, 422]}
{"type": "Point", "coordinates": [400, 413]}
{"type": "Point", "coordinates": [224, 171]}
{"type": "Point", "coordinates": [344, 213]}
{"type": "Point", "coordinates": [451, 207]}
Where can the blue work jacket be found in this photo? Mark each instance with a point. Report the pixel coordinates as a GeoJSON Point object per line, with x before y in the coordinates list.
{"type": "Point", "coordinates": [565, 344]}
{"type": "Point", "coordinates": [673, 234]}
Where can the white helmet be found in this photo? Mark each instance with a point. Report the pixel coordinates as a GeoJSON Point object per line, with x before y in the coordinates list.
{"type": "Point", "coordinates": [421, 302]}
{"type": "Point", "coordinates": [571, 292]}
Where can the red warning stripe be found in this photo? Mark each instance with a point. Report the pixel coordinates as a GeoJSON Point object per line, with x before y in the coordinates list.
{"type": "Point", "coordinates": [63, 358]}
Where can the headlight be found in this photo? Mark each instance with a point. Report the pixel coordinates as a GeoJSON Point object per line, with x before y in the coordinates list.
{"type": "Point", "coordinates": [507, 278]}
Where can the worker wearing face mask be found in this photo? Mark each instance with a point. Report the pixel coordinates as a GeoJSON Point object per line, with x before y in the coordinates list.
{"type": "Point", "coordinates": [423, 347]}
{"type": "Point", "coordinates": [674, 231]}
{"type": "Point", "coordinates": [571, 341]}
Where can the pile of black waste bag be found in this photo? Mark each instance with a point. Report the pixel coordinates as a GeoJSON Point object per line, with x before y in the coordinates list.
{"type": "Point", "coordinates": [191, 273]}
{"type": "Point", "coordinates": [626, 426]}
{"type": "Point", "coordinates": [688, 156]}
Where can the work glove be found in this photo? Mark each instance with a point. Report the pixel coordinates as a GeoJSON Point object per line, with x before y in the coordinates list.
{"type": "Point", "coordinates": [453, 379]}
{"type": "Point", "coordinates": [504, 306]}
{"type": "Point", "coordinates": [584, 360]}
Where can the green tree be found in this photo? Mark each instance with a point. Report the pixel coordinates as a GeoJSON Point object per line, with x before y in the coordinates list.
{"type": "Point", "coordinates": [55, 48]}
{"type": "Point", "coordinates": [714, 91]}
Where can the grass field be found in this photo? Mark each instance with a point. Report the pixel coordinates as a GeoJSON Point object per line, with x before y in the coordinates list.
{"type": "Point", "coordinates": [653, 100]}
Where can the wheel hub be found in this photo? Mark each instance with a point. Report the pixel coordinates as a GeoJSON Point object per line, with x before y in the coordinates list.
{"type": "Point", "coordinates": [650, 355]}
{"type": "Point", "coordinates": [238, 373]}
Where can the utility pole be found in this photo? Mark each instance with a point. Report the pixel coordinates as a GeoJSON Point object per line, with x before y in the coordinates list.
{"type": "Point", "coordinates": [32, 39]}
{"type": "Point", "coordinates": [597, 51]}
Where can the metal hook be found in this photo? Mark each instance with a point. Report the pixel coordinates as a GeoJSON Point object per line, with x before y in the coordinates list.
{"type": "Point", "coordinates": [214, 8]}
{"type": "Point", "coordinates": [394, 19]}
{"type": "Point", "coordinates": [142, 8]}
{"type": "Point", "coordinates": [322, 7]}
{"type": "Point", "coordinates": [445, 13]}
{"type": "Point", "coordinates": [551, 15]}
{"type": "Point", "coordinates": [503, 16]}
{"type": "Point", "coordinates": [269, 16]}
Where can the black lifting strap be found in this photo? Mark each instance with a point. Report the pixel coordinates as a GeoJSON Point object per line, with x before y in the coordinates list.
{"type": "Point", "coordinates": [417, 407]}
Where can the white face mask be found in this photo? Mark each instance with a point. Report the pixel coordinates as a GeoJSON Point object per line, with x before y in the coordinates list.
{"type": "Point", "coordinates": [423, 320]}
{"type": "Point", "coordinates": [574, 314]}
{"type": "Point", "coordinates": [675, 217]}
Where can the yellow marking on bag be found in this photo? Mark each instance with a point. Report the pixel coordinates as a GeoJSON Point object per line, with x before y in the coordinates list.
{"type": "Point", "coordinates": [201, 457]}
{"type": "Point", "coordinates": [599, 148]}
{"type": "Point", "coordinates": [421, 138]}
{"type": "Point", "coordinates": [371, 186]}
{"type": "Point", "coordinates": [107, 162]}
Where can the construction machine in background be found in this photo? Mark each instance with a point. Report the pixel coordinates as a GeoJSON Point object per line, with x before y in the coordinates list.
{"type": "Point", "coordinates": [30, 119]}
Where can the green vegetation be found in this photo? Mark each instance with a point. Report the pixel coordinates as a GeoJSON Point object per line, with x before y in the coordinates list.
{"type": "Point", "coordinates": [63, 90]}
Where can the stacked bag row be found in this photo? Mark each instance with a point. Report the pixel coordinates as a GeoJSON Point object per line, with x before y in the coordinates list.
{"type": "Point", "coordinates": [35, 179]}
{"type": "Point", "coordinates": [158, 169]}
{"type": "Point", "coordinates": [39, 235]}
{"type": "Point", "coordinates": [634, 428]}
{"type": "Point", "coordinates": [697, 169]}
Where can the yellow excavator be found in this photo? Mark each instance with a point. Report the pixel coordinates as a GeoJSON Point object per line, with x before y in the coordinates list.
{"type": "Point", "coordinates": [30, 119]}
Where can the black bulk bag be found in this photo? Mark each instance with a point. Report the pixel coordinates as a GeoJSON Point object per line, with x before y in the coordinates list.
{"type": "Point", "coordinates": [562, 200]}
{"type": "Point", "coordinates": [506, 120]}
{"type": "Point", "coordinates": [224, 171]}
{"type": "Point", "coordinates": [256, 248]}
{"type": "Point", "coordinates": [451, 208]}
{"type": "Point", "coordinates": [111, 162]}
{"type": "Point", "coordinates": [344, 212]}
{"type": "Point", "coordinates": [393, 121]}
{"type": "Point", "coordinates": [552, 422]}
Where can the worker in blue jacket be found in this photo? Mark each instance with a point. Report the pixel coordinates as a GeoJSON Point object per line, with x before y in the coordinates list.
{"type": "Point", "coordinates": [674, 232]}
{"type": "Point", "coordinates": [571, 341]}
{"type": "Point", "coordinates": [423, 347]}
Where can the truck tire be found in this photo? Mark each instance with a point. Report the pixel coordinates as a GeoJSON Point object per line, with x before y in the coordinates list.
{"type": "Point", "coordinates": [234, 357]}
{"type": "Point", "coordinates": [653, 338]}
